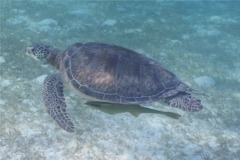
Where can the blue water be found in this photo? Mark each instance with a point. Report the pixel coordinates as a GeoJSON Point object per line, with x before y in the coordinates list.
{"type": "Point", "coordinates": [199, 41]}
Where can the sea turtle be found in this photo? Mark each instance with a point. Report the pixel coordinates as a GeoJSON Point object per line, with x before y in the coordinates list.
{"type": "Point", "coordinates": [108, 73]}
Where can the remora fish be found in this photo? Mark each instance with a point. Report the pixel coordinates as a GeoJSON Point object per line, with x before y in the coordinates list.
{"type": "Point", "coordinates": [133, 109]}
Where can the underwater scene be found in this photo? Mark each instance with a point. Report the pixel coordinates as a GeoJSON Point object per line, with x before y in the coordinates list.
{"type": "Point", "coordinates": [198, 41]}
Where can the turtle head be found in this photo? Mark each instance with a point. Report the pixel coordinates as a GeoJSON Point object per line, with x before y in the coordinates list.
{"type": "Point", "coordinates": [41, 52]}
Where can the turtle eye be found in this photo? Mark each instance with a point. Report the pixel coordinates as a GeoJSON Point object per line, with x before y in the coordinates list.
{"type": "Point", "coordinates": [44, 53]}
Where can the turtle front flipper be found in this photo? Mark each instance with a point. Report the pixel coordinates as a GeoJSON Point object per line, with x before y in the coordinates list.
{"type": "Point", "coordinates": [184, 101]}
{"type": "Point", "coordinates": [55, 102]}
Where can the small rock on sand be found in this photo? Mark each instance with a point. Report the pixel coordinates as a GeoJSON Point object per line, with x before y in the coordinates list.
{"type": "Point", "coordinates": [204, 81]}
{"type": "Point", "coordinates": [110, 22]}
{"type": "Point", "coordinates": [2, 60]}
{"type": "Point", "coordinates": [40, 79]}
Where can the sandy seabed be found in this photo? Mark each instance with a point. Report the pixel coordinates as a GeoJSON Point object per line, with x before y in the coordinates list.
{"type": "Point", "coordinates": [199, 41]}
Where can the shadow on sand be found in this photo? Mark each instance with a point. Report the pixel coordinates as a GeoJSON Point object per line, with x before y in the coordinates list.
{"type": "Point", "coordinates": [134, 109]}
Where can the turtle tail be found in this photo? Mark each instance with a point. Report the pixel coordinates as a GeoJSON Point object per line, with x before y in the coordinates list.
{"type": "Point", "coordinates": [184, 101]}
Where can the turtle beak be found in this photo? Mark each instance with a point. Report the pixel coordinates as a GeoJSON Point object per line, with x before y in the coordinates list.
{"type": "Point", "coordinates": [30, 53]}
{"type": "Point", "coordinates": [29, 50]}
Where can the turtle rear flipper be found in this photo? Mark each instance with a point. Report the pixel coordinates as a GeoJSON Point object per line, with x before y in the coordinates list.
{"type": "Point", "coordinates": [184, 101]}
{"type": "Point", "coordinates": [55, 102]}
